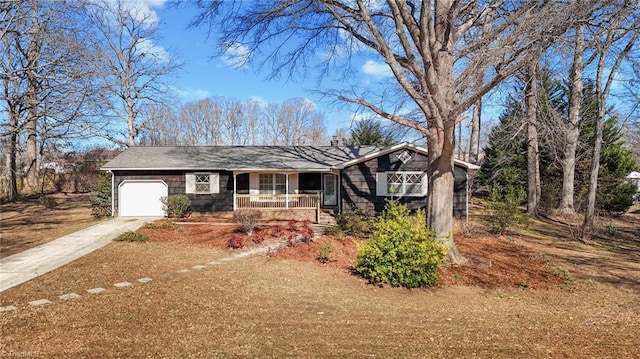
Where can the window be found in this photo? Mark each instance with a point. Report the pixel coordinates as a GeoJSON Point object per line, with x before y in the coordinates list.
{"type": "Point", "coordinates": [272, 183]}
{"type": "Point", "coordinates": [401, 184]}
{"type": "Point", "coordinates": [203, 183]}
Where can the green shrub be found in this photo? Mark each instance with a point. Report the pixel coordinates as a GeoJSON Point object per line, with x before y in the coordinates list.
{"type": "Point", "coordinates": [401, 251]}
{"type": "Point", "coordinates": [176, 205]}
{"type": "Point", "coordinates": [163, 224]}
{"type": "Point", "coordinates": [358, 222]}
{"type": "Point", "coordinates": [247, 219]}
{"type": "Point", "coordinates": [502, 206]}
{"type": "Point", "coordinates": [48, 201]}
{"type": "Point", "coordinates": [131, 236]}
{"type": "Point", "coordinates": [617, 199]}
{"type": "Point", "coordinates": [611, 229]}
{"type": "Point", "coordinates": [325, 252]}
{"type": "Point", "coordinates": [101, 199]}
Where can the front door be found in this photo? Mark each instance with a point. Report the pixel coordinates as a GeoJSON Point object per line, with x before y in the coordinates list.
{"type": "Point", "coordinates": [330, 190]}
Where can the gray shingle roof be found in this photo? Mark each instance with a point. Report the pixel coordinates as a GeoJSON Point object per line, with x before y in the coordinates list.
{"type": "Point", "coordinates": [237, 157]}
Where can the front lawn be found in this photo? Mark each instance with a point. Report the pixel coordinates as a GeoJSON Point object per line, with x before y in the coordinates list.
{"type": "Point", "coordinates": [533, 293]}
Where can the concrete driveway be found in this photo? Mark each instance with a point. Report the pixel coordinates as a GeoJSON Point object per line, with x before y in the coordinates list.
{"type": "Point", "coordinates": [24, 266]}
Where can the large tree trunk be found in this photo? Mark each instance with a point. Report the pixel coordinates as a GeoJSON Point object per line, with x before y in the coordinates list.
{"type": "Point", "coordinates": [572, 130]}
{"type": "Point", "coordinates": [441, 140]}
{"type": "Point", "coordinates": [587, 226]}
{"type": "Point", "coordinates": [33, 53]}
{"type": "Point", "coordinates": [131, 126]}
{"type": "Point", "coordinates": [441, 145]}
{"type": "Point", "coordinates": [476, 121]}
{"type": "Point", "coordinates": [10, 152]}
{"type": "Point", "coordinates": [533, 155]}
{"type": "Point", "coordinates": [10, 143]}
{"type": "Point", "coordinates": [474, 141]}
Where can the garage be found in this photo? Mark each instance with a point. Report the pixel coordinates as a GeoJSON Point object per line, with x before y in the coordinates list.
{"type": "Point", "coordinates": [141, 198]}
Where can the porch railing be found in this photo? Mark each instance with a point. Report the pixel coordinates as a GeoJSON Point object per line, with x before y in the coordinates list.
{"type": "Point", "coordinates": [278, 201]}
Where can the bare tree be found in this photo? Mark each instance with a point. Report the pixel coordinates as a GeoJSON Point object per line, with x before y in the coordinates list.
{"type": "Point", "coordinates": [12, 95]}
{"type": "Point", "coordinates": [572, 127]}
{"type": "Point", "coordinates": [431, 47]}
{"type": "Point", "coordinates": [617, 32]}
{"type": "Point", "coordinates": [45, 85]}
{"type": "Point", "coordinates": [134, 69]}
{"type": "Point", "coordinates": [293, 122]}
{"type": "Point", "coordinates": [161, 126]}
{"type": "Point", "coordinates": [474, 138]}
{"type": "Point", "coordinates": [533, 152]}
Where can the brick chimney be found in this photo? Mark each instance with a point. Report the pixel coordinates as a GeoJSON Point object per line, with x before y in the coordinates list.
{"type": "Point", "coordinates": [334, 141]}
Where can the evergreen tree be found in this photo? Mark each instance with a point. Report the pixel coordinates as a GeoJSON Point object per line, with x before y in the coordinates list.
{"type": "Point", "coordinates": [505, 155]}
{"type": "Point", "coordinates": [370, 132]}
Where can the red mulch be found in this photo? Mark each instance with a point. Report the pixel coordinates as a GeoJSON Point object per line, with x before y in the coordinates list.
{"type": "Point", "coordinates": [492, 262]}
{"type": "Point", "coordinates": [217, 234]}
{"type": "Point", "coordinates": [498, 263]}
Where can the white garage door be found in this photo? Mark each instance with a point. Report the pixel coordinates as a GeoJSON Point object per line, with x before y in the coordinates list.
{"type": "Point", "coordinates": [142, 198]}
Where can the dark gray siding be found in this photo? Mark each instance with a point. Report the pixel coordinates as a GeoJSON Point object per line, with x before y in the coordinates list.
{"type": "Point", "coordinates": [175, 180]}
{"type": "Point", "coordinates": [358, 183]}
{"type": "Point", "coordinates": [460, 192]}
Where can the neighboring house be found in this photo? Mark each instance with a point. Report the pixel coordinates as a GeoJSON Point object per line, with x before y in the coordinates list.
{"type": "Point", "coordinates": [226, 178]}
{"type": "Point", "coordinates": [634, 177]}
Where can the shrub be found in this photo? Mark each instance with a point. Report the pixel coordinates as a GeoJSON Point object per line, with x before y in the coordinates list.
{"type": "Point", "coordinates": [401, 250]}
{"type": "Point", "coordinates": [277, 230]}
{"type": "Point", "coordinates": [131, 236]}
{"type": "Point", "coordinates": [357, 222]}
{"type": "Point", "coordinates": [176, 205]}
{"type": "Point", "coordinates": [325, 252]}
{"type": "Point", "coordinates": [306, 233]}
{"type": "Point", "coordinates": [292, 240]}
{"type": "Point", "coordinates": [235, 242]}
{"type": "Point", "coordinates": [258, 237]}
{"type": "Point", "coordinates": [611, 229]}
{"type": "Point", "coordinates": [503, 209]}
{"type": "Point", "coordinates": [48, 201]}
{"type": "Point", "coordinates": [101, 199]}
{"type": "Point", "coordinates": [617, 199]}
{"type": "Point", "coordinates": [247, 219]}
{"type": "Point", "coordinates": [164, 224]}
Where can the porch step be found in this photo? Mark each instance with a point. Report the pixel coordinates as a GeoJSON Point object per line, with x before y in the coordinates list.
{"type": "Point", "coordinates": [327, 217]}
{"type": "Point", "coordinates": [319, 229]}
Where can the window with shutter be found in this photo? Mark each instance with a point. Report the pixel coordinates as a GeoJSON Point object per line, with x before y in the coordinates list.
{"type": "Point", "coordinates": [401, 184]}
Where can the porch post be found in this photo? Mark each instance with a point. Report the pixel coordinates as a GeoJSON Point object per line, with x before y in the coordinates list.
{"type": "Point", "coordinates": [113, 197]}
{"type": "Point", "coordinates": [234, 191]}
{"type": "Point", "coordinates": [286, 191]}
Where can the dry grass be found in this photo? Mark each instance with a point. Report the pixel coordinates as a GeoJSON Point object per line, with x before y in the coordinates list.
{"type": "Point", "coordinates": [263, 307]}
{"type": "Point", "coordinates": [27, 224]}
{"type": "Point", "coordinates": [291, 307]}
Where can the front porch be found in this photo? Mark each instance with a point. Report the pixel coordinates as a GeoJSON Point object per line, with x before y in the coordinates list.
{"type": "Point", "coordinates": [286, 191]}
{"type": "Point", "coordinates": [280, 202]}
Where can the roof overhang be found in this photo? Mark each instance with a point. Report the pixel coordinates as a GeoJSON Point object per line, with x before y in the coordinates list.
{"type": "Point", "coordinates": [401, 146]}
{"type": "Point", "coordinates": [201, 169]}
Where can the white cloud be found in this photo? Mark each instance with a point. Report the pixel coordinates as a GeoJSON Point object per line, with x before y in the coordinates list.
{"type": "Point", "coordinates": [376, 69]}
{"type": "Point", "coordinates": [236, 56]}
{"type": "Point", "coordinates": [190, 94]}
{"type": "Point", "coordinates": [147, 47]}
{"type": "Point", "coordinates": [140, 10]}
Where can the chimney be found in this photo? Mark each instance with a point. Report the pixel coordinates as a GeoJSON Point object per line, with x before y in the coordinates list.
{"type": "Point", "coordinates": [334, 141]}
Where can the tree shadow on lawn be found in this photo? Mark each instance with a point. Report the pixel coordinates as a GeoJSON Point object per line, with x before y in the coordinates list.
{"type": "Point", "coordinates": [610, 259]}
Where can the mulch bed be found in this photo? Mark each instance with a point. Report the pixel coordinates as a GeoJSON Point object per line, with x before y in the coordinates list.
{"type": "Point", "coordinates": [492, 262]}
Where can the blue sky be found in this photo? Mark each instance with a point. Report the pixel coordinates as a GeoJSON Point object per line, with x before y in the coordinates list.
{"type": "Point", "coordinates": [204, 75]}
